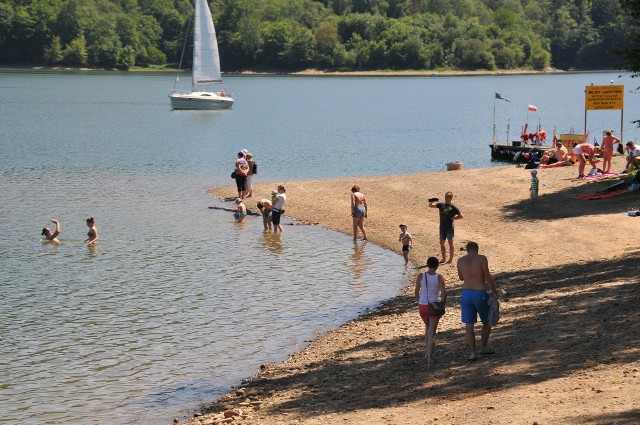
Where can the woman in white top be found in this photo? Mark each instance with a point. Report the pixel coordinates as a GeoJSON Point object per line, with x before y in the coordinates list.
{"type": "Point", "coordinates": [278, 209]}
{"type": "Point", "coordinates": [633, 157]}
{"type": "Point", "coordinates": [430, 289]}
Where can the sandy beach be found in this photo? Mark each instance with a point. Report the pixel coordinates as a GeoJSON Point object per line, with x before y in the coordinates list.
{"type": "Point", "coordinates": [567, 345]}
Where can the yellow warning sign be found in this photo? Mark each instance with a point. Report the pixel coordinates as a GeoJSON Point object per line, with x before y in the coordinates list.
{"type": "Point", "coordinates": [599, 98]}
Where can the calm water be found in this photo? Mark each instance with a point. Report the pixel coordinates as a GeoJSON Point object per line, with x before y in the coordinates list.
{"type": "Point", "coordinates": [177, 303]}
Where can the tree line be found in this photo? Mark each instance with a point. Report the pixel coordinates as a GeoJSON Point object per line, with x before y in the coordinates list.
{"type": "Point", "coordinates": [292, 35]}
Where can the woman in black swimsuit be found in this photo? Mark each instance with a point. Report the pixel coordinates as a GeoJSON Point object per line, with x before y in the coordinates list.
{"type": "Point", "coordinates": [92, 235]}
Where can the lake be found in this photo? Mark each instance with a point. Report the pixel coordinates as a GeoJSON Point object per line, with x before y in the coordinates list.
{"type": "Point", "coordinates": [177, 304]}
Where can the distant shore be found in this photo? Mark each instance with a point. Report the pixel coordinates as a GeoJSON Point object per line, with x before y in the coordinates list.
{"type": "Point", "coordinates": [563, 355]}
{"type": "Point", "coordinates": [307, 72]}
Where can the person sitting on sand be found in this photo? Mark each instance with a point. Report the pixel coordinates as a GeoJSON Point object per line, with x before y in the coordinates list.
{"type": "Point", "coordinates": [92, 234]}
{"type": "Point", "coordinates": [359, 211]}
{"type": "Point", "coordinates": [607, 145]}
{"type": "Point", "coordinates": [407, 242]}
{"type": "Point", "coordinates": [477, 284]}
{"type": "Point", "coordinates": [431, 294]}
{"type": "Point", "coordinates": [52, 236]}
{"type": "Point", "coordinates": [241, 211]}
{"type": "Point", "coordinates": [580, 151]}
{"type": "Point", "coordinates": [558, 154]}
{"type": "Point", "coordinates": [633, 157]}
{"type": "Point", "coordinates": [265, 206]}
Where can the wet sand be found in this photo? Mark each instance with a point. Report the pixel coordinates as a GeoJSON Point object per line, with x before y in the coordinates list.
{"type": "Point", "coordinates": [567, 345]}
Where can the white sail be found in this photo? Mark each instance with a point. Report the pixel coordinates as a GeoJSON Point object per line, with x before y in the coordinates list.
{"type": "Point", "coordinates": [206, 62]}
{"type": "Point", "coordinates": [206, 67]}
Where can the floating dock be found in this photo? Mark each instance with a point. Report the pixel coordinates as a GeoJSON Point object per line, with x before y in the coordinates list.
{"type": "Point", "coordinates": [516, 152]}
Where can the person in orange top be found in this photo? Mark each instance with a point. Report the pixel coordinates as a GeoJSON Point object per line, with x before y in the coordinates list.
{"type": "Point", "coordinates": [607, 145]}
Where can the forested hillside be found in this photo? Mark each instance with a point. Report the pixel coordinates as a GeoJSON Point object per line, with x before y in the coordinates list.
{"type": "Point", "coordinates": [290, 35]}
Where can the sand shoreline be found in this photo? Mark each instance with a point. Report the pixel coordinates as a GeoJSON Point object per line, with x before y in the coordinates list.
{"type": "Point", "coordinates": [549, 368]}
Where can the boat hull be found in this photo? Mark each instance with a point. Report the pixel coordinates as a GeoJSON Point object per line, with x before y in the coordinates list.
{"type": "Point", "coordinates": [518, 154]}
{"type": "Point", "coordinates": [200, 100]}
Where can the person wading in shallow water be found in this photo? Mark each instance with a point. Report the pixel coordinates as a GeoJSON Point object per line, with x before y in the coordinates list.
{"type": "Point", "coordinates": [477, 285]}
{"type": "Point", "coordinates": [359, 210]}
{"type": "Point", "coordinates": [52, 236]}
{"type": "Point", "coordinates": [92, 234]}
{"type": "Point", "coordinates": [278, 209]}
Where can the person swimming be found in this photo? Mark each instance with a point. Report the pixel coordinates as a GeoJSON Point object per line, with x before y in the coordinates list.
{"type": "Point", "coordinates": [92, 234]}
{"type": "Point", "coordinates": [52, 236]}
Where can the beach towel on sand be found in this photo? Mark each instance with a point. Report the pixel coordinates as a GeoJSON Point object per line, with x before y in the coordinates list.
{"type": "Point", "coordinates": [601, 195]}
{"type": "Point", "coordinates": [599, 176]}
{"type": "Point", "coordinates": [555, 165]}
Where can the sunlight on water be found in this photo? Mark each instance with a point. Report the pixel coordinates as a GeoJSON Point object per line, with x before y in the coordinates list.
{"type": "Point", "coordinates": [177, 303]}
{"type": "Point", "coordinates": [174, 305]}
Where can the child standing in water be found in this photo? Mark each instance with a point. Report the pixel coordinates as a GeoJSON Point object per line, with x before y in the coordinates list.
{"type": "Point", "coordinates": [407, 242]}
{"type": "Point", "coordinates": [534, 186]}
{"type": "Point", "coordinates": [241, 211]}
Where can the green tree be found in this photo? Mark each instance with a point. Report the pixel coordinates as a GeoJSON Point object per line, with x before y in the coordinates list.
{"type": "Point", "coordinates": [54, 54]}
{"type": "Point", "coordinates": [76, 52]}
{"type": "Point", "coordinates": [276, 36]}
{"type": "Point", "coordinates": [631, 52]}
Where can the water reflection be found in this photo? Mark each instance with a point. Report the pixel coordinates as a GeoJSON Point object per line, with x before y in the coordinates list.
{"type": "Point", "coordinates": [359, 263]}
{"type": "Point", "coordinates": [272, 242]}
{"type": "Point", "coordinates": [92, 250]}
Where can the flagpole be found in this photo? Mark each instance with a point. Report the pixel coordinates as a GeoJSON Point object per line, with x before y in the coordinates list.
{"type": "Point", "coordinates": [494, 120]}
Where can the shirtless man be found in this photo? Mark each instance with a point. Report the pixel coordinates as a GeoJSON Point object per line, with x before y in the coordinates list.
{"type": "Point", "coordinates": [477, 282]}
{"type": "Point", "coordinates": [559, 154]}
{"type": "Point", "coordinates": [265, 206]}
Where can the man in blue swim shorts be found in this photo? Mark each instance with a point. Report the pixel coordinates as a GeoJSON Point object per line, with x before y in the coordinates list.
{"type": "Point", "coordinates": [477, 286]}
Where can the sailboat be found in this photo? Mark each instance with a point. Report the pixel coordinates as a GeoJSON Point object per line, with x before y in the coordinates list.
{"type": "Point", "coordinates": [206, 67]}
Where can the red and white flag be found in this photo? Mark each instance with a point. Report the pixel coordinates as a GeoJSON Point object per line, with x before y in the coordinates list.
{"type": "Point", "coordinates": [533, 108]}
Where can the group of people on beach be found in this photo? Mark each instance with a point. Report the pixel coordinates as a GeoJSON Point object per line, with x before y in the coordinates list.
{"type": "Point", "coordinates": [243, 172]}
{"type": "Point", "coordinates": [479, 296]}
{"type": "Point", "coordinates": [585, 153]}
{"type": "Point", "coordinates": [52, 235]}
{"type": "Point", "coordinates": [478, 287]}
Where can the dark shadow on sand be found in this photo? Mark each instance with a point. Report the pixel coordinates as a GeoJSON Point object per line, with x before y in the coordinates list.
{"type": "Point", "coordinates": [577, 316]}
{"type": "Point", "coordinates": [554, 205]}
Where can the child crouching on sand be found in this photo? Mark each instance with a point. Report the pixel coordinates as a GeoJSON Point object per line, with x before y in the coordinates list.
{"type": "Point", "coordinates": [405, 238]}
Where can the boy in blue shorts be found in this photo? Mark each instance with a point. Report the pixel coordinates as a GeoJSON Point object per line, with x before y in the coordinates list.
{"type": "Point", "coordinates": [407, 241]}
